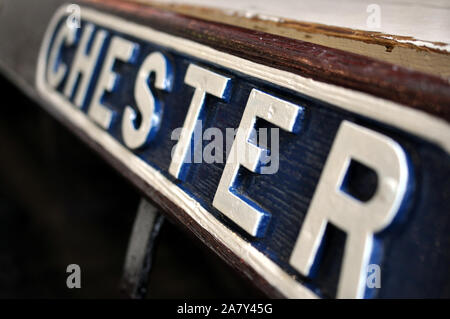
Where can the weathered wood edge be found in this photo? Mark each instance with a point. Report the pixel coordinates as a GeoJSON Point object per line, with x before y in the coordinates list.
{"type": "Point", "coordinates": [414, 89]}
{"type": "Point", "coordinates": [418, 54]}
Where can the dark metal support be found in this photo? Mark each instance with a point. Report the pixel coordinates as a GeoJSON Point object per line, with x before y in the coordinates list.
{"type": "Point", "coordinates": [138, 261]}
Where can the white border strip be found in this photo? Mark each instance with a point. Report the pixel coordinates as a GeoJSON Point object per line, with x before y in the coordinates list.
{"type": "Point", "coordinates": [410, 120]}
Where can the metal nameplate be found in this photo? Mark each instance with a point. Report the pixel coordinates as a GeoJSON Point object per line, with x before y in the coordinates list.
{"type": "Point", "coordinates": [322, 190]}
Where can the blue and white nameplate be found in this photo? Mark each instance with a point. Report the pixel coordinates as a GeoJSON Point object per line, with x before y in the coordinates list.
{"type": "Point", "coordinates": [323, 191]}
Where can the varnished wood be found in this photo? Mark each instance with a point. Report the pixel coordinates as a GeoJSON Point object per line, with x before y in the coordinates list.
{"type": "Point", "coordinates": [409, 43]}
{"type": "Point", "coordinates": [414, 89]}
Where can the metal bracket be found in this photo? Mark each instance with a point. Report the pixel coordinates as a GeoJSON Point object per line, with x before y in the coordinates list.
{"type": "Point", "coordinates": [138, 261]}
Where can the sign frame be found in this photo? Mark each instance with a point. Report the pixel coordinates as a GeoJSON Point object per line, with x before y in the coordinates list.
{"type": "Point", "coordinates": [405, 118]}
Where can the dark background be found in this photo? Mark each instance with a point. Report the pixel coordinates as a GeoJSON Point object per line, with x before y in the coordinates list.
{"type": "Point", "coordinates": [60, 204]}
